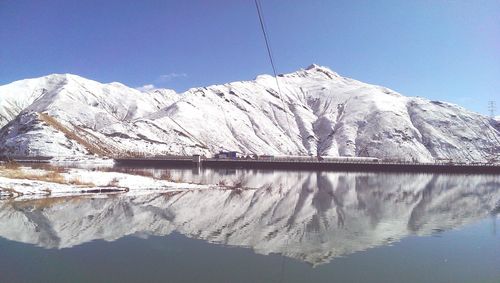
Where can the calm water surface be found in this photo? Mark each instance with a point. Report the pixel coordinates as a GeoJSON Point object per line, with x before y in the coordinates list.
{"type": "Point", "coordinates": [290, 226]}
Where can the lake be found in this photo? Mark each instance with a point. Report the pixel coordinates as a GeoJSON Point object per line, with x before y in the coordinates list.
{"type": "Point", "coordinates": [283, 226]}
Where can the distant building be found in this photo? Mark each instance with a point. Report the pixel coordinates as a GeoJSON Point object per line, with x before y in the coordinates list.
{"type": "Point", "coordinates": [227, 155]}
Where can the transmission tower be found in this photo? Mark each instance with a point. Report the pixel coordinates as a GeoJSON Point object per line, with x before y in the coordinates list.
{"type": "Point", "coordinates": [492, 108]}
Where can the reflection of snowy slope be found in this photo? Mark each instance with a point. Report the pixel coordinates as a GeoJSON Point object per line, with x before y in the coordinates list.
{"type": "Point", "coordinates": [321, 113]}
{"type": "Point", "coordinates": [314, 217]}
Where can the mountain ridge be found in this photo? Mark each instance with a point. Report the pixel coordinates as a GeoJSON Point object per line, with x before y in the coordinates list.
{"type": "Point", "coordinates": [317, 112]}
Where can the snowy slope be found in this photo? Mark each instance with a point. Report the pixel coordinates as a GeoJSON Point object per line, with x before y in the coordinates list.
{"type": "Point", "coordinates": [319, 113]}
{"type": "Point", "coordinates": [495, 122]}
{"type": "Point", "coordinates": [15, 97]}
{"type": "Point", "coordinates": [313, 217]}
{"type": "Point", "coordinates": [79, 105]}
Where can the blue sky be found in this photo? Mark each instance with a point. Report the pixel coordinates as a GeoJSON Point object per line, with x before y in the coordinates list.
{"type": "Point", "coordinates": [439, 49]}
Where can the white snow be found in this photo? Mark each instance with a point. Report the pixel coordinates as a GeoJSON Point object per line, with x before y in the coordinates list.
{"type": "Point", "coordinates": [86, 181]}
{"type": "Point", "coordinates": [320, 113]}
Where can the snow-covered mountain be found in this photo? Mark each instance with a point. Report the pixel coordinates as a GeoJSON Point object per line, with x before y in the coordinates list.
{"type": "Point", "coordinates": [496, 122]}
{"type": "Point", "coordinates": [311, 216]}
{"type": "Point", "coordinates": [319, 113]}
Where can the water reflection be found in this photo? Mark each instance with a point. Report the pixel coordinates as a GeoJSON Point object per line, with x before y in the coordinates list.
{"type": "Point", "coordinates": [310, 216]}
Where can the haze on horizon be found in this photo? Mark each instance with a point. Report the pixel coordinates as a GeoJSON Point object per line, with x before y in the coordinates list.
{"type": "Point", "coordinates": [444, 50]}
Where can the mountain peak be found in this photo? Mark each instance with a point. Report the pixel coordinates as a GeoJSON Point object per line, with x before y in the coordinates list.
{"type": "Point", "coordinates": [62, 77]}
{"type": "Point", "coordinates": [321, 69]}
{"type": "Point", "coordinates": [314, 70]}
{"type": "Point", "coordinates": [314, 66]}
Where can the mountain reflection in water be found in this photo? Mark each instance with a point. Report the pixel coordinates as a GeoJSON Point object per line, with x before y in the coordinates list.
{"type": "Point", "coordinates": [310, 216]}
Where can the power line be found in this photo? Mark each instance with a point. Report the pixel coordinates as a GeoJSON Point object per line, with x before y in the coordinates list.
{"type": "Point", "coordinates": [271, 60]}
{"type": "Point", "coordinates": [264, 32]}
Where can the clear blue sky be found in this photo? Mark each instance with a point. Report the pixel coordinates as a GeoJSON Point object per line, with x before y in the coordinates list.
{"type": "Point", "coordinates": [440, 49]}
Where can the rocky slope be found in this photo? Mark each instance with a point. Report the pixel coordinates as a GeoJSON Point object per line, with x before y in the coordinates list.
{"type": "Point", "coordinates": [319, 113]}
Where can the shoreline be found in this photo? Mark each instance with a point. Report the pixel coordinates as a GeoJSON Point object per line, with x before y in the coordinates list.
{"type": "Point", "coordinates": [335, 166]}
{"type": "Point", "coordinates": [279, 163]}
{"type": "Point", "coordinates": [28, 183]}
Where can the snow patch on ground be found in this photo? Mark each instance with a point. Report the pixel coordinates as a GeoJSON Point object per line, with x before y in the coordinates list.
{"type": "Point", "coordinates": [81, 181]}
